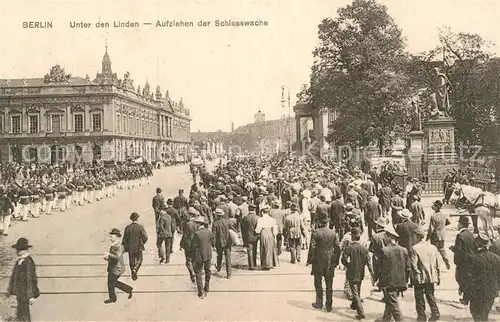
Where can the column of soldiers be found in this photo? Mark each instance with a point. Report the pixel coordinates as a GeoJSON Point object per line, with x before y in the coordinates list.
{"type": "Point", "coordinates": [43, 193]}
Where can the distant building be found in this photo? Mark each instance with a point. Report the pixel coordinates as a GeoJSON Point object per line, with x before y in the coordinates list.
{"type": "Point", "coordinates": [62, 118]}
{"type": "Point", "coordinates": [272, 136]}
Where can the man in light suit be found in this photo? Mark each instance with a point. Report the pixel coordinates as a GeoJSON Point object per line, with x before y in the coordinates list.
{"type": "Point", "coordinates": [201, 250]}
{"type": "Point", "coordinates": [116, 267]}
{"type": "Point", "coordinates": [134, 238]}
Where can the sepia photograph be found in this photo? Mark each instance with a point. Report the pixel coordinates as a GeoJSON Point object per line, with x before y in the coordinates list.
{"type": "Point", "coordinates": [250, 160]}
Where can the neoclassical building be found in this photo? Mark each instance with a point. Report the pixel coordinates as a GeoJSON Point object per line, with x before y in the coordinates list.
{"type": "Point", "coordinates": [64, 118]}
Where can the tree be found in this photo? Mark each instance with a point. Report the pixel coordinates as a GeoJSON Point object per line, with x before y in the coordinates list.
{"type": "Point", "coordinates": [359, 71]}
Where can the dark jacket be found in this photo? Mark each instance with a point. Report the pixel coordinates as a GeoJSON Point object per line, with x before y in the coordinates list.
{"type": "Point", "coordinates": [248, 225]}
{"type": "Point", "coordinates": [484, 275]}
{"type": "Point", "coordinates": [220, 236]}
{"type": "Point", "coordinates": [134, 238]}
{"type": "Point", "coordinates": [355, 257]}
{"type": "Point", "coordinates": [201, 245]}
{"type": "Point", "coordinates": [24, 281]}
{"type": "Point", "coordinates": [174, 214]}
{"type": "Point", "coordinates": [406, 232]}
{"type": "Point", "coordinates": [116, 265]}
{"type": "Point", "coordinates": [395, 268]}
{"type": "Point", "coordinates": [324, 251]}
{"type": "Point", "coordinates": [373, 211]}
{"type": "Point", "coordinates": [336, 214]}
{"type": "Point", "coordinates": [437, 223]}
{"type": "Point", "coordinates": [187, 235]}
{"type": "Point", "coordinates": [166, 226]}
{"type": "Point", "coordinates": [465, 245]}
{"type": "Point", "coordinates": [158, 202]}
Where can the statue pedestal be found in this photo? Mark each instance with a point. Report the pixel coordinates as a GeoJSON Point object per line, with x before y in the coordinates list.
{"type": "Point", "coordinates": [415, 153]}
{"type": "Point", "coordinates": [439, 147]}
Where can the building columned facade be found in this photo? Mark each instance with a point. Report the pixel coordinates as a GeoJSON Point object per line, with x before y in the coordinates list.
{"type": "Point", "coordinates": [63, 118]}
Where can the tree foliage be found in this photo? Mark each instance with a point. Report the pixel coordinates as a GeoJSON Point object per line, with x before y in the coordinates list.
{"type": "Point", "coordinates": [359, 71]}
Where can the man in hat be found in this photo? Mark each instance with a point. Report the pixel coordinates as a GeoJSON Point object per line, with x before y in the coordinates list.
{"type": "Point", "coordinates": [206, 210]}
{"type": "Point", "coordinates": [406, 230]}
{"type": "Point", "coordinates": [484, 280]}
{"type": "Point", "coordinates": [395, 268]}
{"type": "Point", "coordinates": [181, 205]}
{"type": "Point", "coordinates": [23, 281]}
{"type": "Point", "coordinates": [201, 250]}
{"type": "Point", "coordinates": [373, 211]}
{"type": "Point", "coordinates": [355, 258]}
{"type": "Point", "coordinates": [6, 211]}
{"type": "Point", "coordinates": [157, 203]}
{"type": "Point", "coordinates": [224, 207]}
{"type": "Point", "coordinates": [437, 223]}
{"type": "Point", "coordinates": [134, 238]}
{"type": "Point", "coordinates": [378, 241]}
{"type": "Point", "coordinates": [293, 230]}
{"type": "Point", "coordinates": [323, 255]}
{"type": "Point", "coordinates": [418, 214]}
{"type": "Point", "coordinates": [116, 267]}
{"type": "Point", "coordinates": [424, 274]}
{"type": "Point", "coordinates": [222, 241]}
{"type": "Point", "coordinates": [397, 204]}
{"type": "Point", "coordinates": [465, 245]}
{"type": "Point", "coordinates": [250, 236]}
{"type": "Point", "coordinates": [385, 195]}
{"type": "Point", "coordinates": [278, 215]}
{"type": "Point", "coordinates": [165, 230]}
{"type": "Point", "coordinates": [185, 244]}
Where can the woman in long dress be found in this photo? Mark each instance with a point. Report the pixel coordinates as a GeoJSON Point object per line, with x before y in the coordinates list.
{"type": "Point", "coordinates": [267, 227]}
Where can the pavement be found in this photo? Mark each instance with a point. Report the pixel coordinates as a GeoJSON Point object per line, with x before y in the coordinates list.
{"type": "Point", "coordinates": [68, 249]}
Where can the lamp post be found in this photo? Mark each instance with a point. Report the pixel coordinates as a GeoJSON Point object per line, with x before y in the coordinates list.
{"type": "Point", "coordinates": [283, 100]}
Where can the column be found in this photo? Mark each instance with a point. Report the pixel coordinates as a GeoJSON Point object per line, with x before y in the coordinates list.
{"type": "Point", "coordinates": [24, 121]}
{"type": "Point", "coordinates": [68, 118]}
{"type": "Point", "coordinates": [298, 135]}
{"type": "Point", "coordinates": [86, 118]}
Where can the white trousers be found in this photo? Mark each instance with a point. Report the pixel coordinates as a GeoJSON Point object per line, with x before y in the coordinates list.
{"type": "Point", "coordinates": [24, 210]}
{"type": "Point", "coordinates": [35, 209]}
{"type": "Point", "coordinates": [4, 224]}
{"type": "Point", "coordinates": [63, 204]}
{"type": "Point", "coordinates": [48, 207]}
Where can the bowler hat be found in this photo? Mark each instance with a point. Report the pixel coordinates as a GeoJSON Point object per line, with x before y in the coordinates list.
{"type": "Point", "coordinates": [115, 231]}
{"type": "Point", "coordinates": [22, 244]}
{"type": "Point", "coordinates": [438, 204]}
{"type": "Point", "coordinates": [464, 220]}
{"type": "Point", "coordinates": [134, 216]}
{"type": "Point", "coordinates": [170, 202]}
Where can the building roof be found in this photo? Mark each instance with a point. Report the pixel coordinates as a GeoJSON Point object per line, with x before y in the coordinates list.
{"type": "Point", "coordinates": [36, 82]}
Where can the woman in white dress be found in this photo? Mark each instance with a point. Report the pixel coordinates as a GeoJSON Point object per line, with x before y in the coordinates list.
{"type": "Point", "coordinates": [267, 228]}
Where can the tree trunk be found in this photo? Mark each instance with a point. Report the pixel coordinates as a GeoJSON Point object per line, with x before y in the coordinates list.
{"type": "Point", "coordinates": [381, 146]}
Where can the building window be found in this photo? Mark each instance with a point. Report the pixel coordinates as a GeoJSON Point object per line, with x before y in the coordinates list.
{"type": "Point", "coordinates": [55, 123]}
{"type": "Point", "coordinates": [125, 128]}
{"type": "Point", "coordinates": [33, 119]}
{"type": "Point", "coordinates": [15, 124]}
{"type": "Point", "coordinates": [96, 122]}
{"type": "Point", "coordinates": [78, 122]}
{"type": "Point", "coordinates": [118, 123]}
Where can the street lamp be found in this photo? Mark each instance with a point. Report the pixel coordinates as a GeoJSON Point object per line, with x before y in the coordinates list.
{"type": "Point", "coordinates": [283, 100]}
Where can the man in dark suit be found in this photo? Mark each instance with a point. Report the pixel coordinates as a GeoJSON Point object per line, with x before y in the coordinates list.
{"type": "Point", "coordinates": [158, 202]}
{"type": "Point", "coordinates": [181, 205]}
{"type": "Point", "coordinates": [187, 237]}
{"type": "Point", "coordinates": [222, 240]}
{"type": "Point", "coordinates": [134, 238]}
{"type": "Point", "coordinates": [174, 214]}
{"type": "Point", "coordinates": [201, 250]}
{"type": "Point", "coordinates": [373, 210]}
{"type": "Point", "coordinates": [24, 282]}
{"type": "Point", "coordinates": [116, 267]}
{"type": "Point", "coordinates": [165, 230]}
{"type": "Point", "coordinates": [249, 236]}
{"type": "Point", "coordinates": [465, 245]}
{"type": "Point", "coordinates": [438, 222]}
{"type": "Point", "coordinates": [355, 257]}
{"type": "Point", "coordinates": [336, 214]}
{"type": "Point", "coordinates": [484, 280]}
{"type": "Point", "coordinates": [379, 240]}
{"type": "Point", "coordinates": [395, 269]}
{"type": "Point", "coordinates": [406, 230]}
{"type": "Point", "coordinates": [324, 256]}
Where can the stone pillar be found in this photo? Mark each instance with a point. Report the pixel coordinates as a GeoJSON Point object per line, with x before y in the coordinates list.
{"type": "Point", "coordinates": [298, 136]}
{"type": "Point", "coordinates": [87, 119]}
{"type": "Point", "coordinates": [69, 128]}
{"type": "Point", "coordinates": [415, 153]}
{"type": "Point", "coordinates": [439, 147]}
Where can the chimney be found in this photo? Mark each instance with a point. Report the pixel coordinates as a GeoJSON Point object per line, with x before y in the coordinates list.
{"type": "Point", "coordinates": [232, 126]}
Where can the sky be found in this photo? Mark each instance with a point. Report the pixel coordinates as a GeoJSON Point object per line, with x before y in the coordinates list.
{"type": "Point", "coordinates": [223, 74]}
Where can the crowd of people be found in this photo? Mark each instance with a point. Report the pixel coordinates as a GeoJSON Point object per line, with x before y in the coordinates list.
{"type": "Point", "coordinates": [324, 208]}
{"type": "Point", "coordinates": [340, 216]}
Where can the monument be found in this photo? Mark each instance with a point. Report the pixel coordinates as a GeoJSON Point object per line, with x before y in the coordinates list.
{"type": "Point", "coordinates": [416, 151]}
{"type": "Point", "coordinates": [439, 132]}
